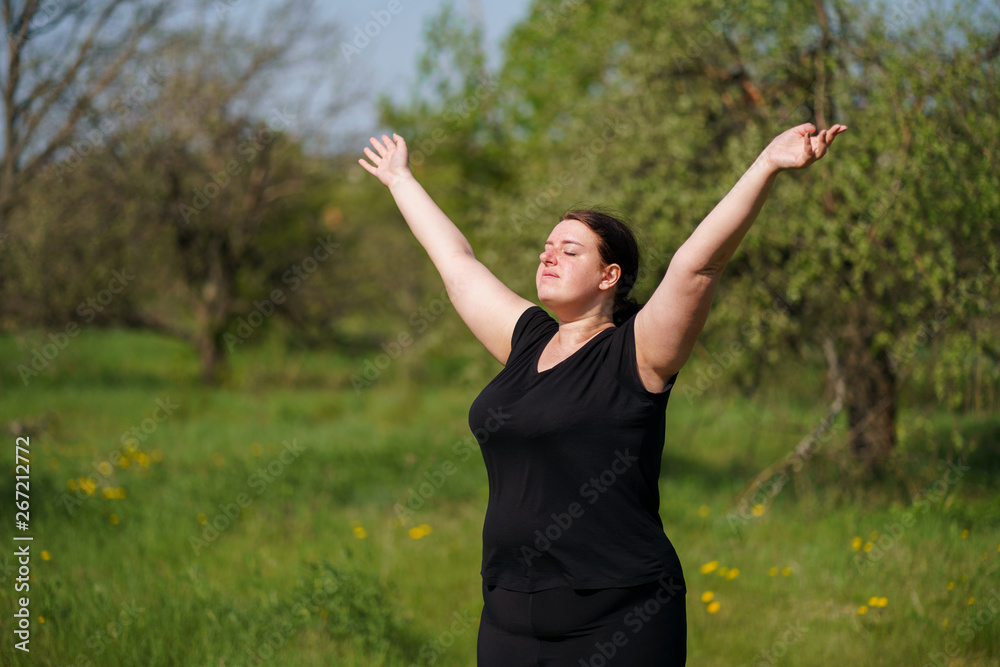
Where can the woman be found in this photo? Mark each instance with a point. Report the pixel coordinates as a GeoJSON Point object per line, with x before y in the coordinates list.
{"type": "Point", "coordinates": [576, 567]}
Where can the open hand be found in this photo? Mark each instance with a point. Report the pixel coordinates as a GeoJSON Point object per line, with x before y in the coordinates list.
{"type": "Point", "coordinates": [391, 162]}
{"type": "Point", "coordinates": [795, 148]}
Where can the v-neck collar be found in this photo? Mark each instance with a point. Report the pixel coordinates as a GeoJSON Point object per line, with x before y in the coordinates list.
{"type": "Point", "coordinates": [538, 356]}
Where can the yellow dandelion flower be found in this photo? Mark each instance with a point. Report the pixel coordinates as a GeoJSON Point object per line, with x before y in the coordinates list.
{"type": "Point", "coordinates": [863, 609]}
{"type": "Point", "coordinates": [202, 519]}
{"type": "Point", "coordinates": [972, 600]}
{"type": "Point", "coordinates": [41, 619]}
{"type": "Point", "coordinates": [256, 449]}
{"type": "Point", "coordinates": [883, 601]}
{"type": "Point", "coordinates": [713, 607]}
{"type": "Point", "coordinates": [122, 462]}
{"type": "Point", "coordinates": [709, 567]}
{"type": "Point", "coordinates": [856, 544]}
{"type": "Point", "coordinates": [868, 546]}
{"type": "Point", "coordinates": [951, 585]}
{"type": "Point", "coordinates": [873, 602]}
{"type": "Point", "coordinates": [707, 596]}
{"type": "Point", "coordinates": [73, 486]}
{"type": "Point", "coordinates": [772, 572]}
{"type": "Point", "coordinates": [416, 533]}
{"type": "Point", "coordinates": [965, 533]}
{"type": "Point", "coordinates": [945, 624]}
{"type": "Point", "coordinates": [113, 519]}
{"type": "Point", "coordinates": [733, 573]}
{"type": "Point", "coordinates": [46, 555]}
{"type": "Point", "coordinates": [723, 571]}
{"type": "Point", "coordinates": [758, 510]}
{"type": "Point", "coordinates": [104, 468]}
{"type": "Point", "coordinates": [218, 460]}
{"type": "Point", "coordinates": [143, 459]}
{"type": "Point", "coordinates": [156, 455]}
{"type": "Point", "coordinates": [88, 485]}
{"type": "Point", "coordinates": [704, 511]}
{"type": "Point", "coordinates": [131, 445]}
{"type": "Point", "coordinates": [360, 532]}
{"type": "Point", "coordinates": [786, 571]}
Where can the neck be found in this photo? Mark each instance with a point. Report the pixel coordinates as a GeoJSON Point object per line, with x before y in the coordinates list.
{"type": "Point", "coordinates": [576, 332]}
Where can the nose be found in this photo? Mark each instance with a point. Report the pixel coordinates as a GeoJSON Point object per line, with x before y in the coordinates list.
{"type": "Point", "coordinates": [547, 257]}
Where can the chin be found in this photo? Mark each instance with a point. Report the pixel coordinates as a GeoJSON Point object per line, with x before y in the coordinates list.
{"type": "Point", "coordinates": [546, 296]}
{"type": "Point", "coordinates": [553, 303]}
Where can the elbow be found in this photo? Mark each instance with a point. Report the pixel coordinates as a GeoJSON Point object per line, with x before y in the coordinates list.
{"type": "Point", "coordinates": [712, 269]}
{"type": "Point", "coordinates": [467, 253]}
{"type": "Point", "coordinates": [685, 264]}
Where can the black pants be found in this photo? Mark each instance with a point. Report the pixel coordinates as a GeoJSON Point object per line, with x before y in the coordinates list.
{"type": "Point", "coordinates": [639, 626]}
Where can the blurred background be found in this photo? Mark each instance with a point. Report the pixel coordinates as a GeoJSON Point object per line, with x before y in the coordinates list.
{"type": "Point", "coordinates": [246, 394]}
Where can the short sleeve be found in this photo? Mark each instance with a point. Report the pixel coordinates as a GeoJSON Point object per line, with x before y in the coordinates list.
{"type": "Point", "coordinates": [533, 325]}
{"type": "Point", "coordinates": [626, 367]}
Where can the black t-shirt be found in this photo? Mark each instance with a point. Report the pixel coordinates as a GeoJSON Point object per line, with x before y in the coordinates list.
{"type": "Point", "coordinates": [573, 457]}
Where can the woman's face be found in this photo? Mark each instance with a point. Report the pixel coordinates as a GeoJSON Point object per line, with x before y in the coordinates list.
{"type": "Point", "coordinates": [572, 279]}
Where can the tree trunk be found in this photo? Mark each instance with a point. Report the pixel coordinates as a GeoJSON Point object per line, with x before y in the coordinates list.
{"type": "Point", "coordinates": [211, 329]}
{"type": "Point", "coordinates": [212, 353]}
{"type": "Point", "coordinates": [871, 401]}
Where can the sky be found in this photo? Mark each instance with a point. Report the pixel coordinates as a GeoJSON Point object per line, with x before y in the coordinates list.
{"type": "Point", "coordinates": [387, 64]}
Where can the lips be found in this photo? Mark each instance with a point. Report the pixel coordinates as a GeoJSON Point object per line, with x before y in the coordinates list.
{"type": "Point", "coordinates": [549, 274]}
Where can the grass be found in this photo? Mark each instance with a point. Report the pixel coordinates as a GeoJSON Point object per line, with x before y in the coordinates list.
{"type": "Point", "coordinates": [258, 525]}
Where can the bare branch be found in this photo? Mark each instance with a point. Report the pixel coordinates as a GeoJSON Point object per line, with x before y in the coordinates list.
{"type": "Point", "coordinates": [68, 78]}
{"type": "Point", "coordinates": [64, 84]}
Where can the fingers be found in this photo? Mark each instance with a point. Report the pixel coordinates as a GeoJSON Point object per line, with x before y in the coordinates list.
{"type": "Point", "coordinates": [377, 159]}
{"type": "Point", "coordinates": [382, 150]}
{"type": "Point", "coordinates": [370, 169]}
{"type": "Point", "coordinates": [834, 131]}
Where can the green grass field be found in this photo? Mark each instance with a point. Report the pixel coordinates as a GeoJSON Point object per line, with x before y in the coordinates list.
{"type": "Point", "coordinates": [255, 524]}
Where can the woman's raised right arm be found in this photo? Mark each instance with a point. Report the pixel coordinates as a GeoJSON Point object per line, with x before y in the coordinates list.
{"type": "Point", "coordinates": [488, 307]}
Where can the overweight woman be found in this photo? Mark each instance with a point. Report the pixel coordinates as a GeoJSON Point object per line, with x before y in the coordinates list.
{"type": "Point", "coordinates": [577, 570]}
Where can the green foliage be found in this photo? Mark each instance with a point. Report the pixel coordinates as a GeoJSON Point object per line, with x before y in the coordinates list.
{"type": "Point", "coordinates": [887, 247]}
{"type": "Point", "coordinates": [215, 210]}
{"type": "Point", "coordinates": [893, 221]}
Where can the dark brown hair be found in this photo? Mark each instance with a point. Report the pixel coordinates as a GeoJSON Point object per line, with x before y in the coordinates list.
{"type": "Point", "coordinates": [617, 246]}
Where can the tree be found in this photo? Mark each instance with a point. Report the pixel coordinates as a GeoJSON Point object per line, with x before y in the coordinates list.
{"type": "Point", "coordinates": [221, 193]}
{"type": "Point", "coordinates": [61, 59]}
{"type": "Point", "coordinates": [658, 107]}
{"type": "Point", "coordinates": [208, 195]}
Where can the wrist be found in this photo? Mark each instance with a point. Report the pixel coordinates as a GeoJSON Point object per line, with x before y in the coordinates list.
{"type": "Point", "coordinates": [400, 178]}
{"type": "Point", "coordinates": [766, 162]}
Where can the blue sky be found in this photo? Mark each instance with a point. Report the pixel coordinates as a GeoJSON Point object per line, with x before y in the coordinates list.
{"type": "Point", "coordinates": [388, 63]}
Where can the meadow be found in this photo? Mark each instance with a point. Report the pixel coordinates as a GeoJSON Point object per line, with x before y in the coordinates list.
{"type": "Point", "coordinates": [290, 518]}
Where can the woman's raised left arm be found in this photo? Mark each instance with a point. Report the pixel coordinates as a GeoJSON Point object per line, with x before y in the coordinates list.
{"type": "Point", "coordinates": [669, 324]}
